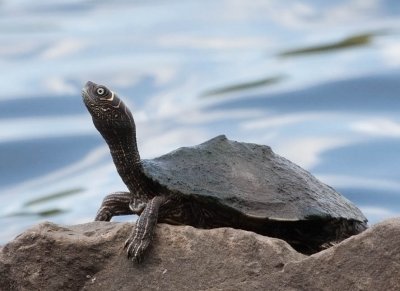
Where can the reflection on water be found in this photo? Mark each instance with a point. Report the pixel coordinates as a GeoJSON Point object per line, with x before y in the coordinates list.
{"type": "Point", "coordinates": [44, 213]}
{"type": "Point", "coordinates": [376, 93]}
{"type": "Point", "coordinates": [54, 196]}
{"type": "Point", "coordinates": [336, 113]}
{"type": "Point", "coordinates": [352, 41]}
{"type": "Point", "coordinates": [243, 86]}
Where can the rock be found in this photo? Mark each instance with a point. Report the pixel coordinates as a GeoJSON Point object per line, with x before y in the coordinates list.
{"type": "Point", "coordinates": [368, 261]}
{"type": "Point", "coordinates": [90, 257]}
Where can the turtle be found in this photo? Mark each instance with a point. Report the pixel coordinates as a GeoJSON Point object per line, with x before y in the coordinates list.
{"type": "Point", "coordinates": [219, 183]}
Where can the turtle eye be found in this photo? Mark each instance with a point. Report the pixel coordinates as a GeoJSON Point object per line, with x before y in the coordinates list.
{"type": "Point", "coordinates": [100, 91]}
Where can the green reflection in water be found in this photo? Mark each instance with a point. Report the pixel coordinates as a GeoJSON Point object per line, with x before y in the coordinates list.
{"type": "Point", "coordinates": [243, 86]}
{"type": "Point", "coordinates": [352, 41]}
{"type": "Point", "coordinates": [43, 213]}
{"type": "Point", "coordinates": [54, 196]}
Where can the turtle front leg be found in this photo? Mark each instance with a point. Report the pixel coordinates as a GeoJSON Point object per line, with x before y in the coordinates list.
{"type": "Point", "coordinates": [142, 235]}
{"type": "Point", "coordinates": [119, 203]}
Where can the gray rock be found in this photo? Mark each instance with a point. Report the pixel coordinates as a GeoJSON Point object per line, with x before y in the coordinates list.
{"type": "Point", "coordinates": [90, 257]}
{"type": "Point", "coordinates": [368, 261]}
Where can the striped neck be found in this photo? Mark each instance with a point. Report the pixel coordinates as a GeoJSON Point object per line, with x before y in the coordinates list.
{"type": "Point", "coordinates": [125, 154]}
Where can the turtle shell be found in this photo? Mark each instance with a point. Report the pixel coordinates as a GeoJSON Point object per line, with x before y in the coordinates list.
{"type": "Point", "coordinates": [251, 179]}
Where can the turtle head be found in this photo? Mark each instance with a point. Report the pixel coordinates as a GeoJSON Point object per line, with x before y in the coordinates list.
{"type": "Point", "coordinates": [107, 110]}
{"type": "Point", "coordinates": [115, 123]}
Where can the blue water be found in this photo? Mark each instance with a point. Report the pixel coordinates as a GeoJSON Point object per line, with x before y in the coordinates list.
{"type": "Point", "coordinates": [333, 109]}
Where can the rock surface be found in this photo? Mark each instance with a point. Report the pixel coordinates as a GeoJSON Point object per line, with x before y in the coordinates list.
{"type": "Point", "coordinates": [91, 257]}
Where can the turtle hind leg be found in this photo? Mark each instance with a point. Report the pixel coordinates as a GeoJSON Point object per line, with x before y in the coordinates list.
{"type": "Point", "coordinates": [142, 235]}
{"type": "Point", "coordinates": [118, 203]}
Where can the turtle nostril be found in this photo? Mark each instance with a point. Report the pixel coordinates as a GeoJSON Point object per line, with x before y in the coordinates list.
{"type": "Point", "coordinates": [88, 85]}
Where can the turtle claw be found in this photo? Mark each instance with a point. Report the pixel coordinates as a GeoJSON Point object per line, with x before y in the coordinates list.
{"type": "Point", "coordinates": [140, 239]}
{"type": "Point", "coordinates": [136, 248]}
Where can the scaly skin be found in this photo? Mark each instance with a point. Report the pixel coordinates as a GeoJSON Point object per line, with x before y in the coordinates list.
{"type": "Point", "coordinates": [115, 123]}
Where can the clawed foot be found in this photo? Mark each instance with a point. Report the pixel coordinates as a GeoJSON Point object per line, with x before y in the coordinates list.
{"type": "Point", "coordinates": [140, 239]}
{"type": "Point", "coordinates": [136, 248]}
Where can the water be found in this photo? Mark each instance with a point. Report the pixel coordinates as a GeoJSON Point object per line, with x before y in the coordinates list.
{"type": "Point", "coordinates": [316, 81]}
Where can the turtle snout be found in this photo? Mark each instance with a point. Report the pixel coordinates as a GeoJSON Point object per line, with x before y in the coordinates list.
{"type": "Point", "coordinates": [88, 86]}
{"type": "Point", "coordinates": [87, 91]}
